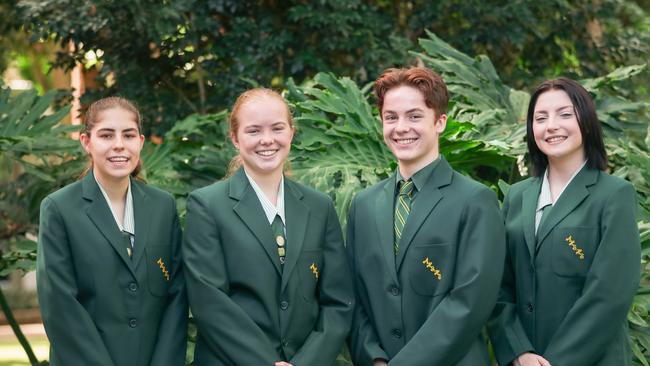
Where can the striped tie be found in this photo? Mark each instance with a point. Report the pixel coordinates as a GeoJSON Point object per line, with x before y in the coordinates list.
{"type": "Point", "coordinates": [402, 209]}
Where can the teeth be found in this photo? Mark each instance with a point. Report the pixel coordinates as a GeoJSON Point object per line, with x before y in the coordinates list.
{"type": "Point", "coordinates": [267, 152]}
{"type": "Point", "coordinates": [556, 138]}
{"type": "Point", "coordinates": [405, 141]}
{"type": "Point", "coordinates": [118, 160]}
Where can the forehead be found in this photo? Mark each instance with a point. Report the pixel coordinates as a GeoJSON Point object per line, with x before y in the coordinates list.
{"type": "Point", "coordinates": [551, 99]}
{"type": "Point", "coordinates": [404, 98]}
{"type": "Point", "coordinates": [264, 109]}
{"type": "Point", "coordinates": [116, 119]}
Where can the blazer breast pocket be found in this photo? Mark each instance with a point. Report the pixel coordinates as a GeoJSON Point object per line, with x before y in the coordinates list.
{"type": "Point", "coordinates": [159, 268]}
{"type": "Point", "coordinates": [573, 250]}
{"type": "Point", "coordinates": [429, 268]}
{"type": "Point", "coordinates": [310, 265]}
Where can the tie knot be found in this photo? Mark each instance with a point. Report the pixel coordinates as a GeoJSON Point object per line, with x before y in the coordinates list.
{"type": "Point", "coordinates": [277, 220]}
{"type": "Point", "coordinates": [406, 188]}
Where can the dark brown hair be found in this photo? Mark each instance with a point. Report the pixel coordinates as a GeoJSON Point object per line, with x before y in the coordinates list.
{"type": "Point", "coordinates": [233, 119]}
{"type": "Point", "coordinates": [590, 128]}
{"type": "Point", "coordinates": [429, 83]}
{"type": "Point", "coordinates": [91, 117]}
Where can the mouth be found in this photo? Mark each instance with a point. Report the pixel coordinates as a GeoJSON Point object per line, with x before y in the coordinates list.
{"type": "Point", "coordinates": [555, 139]}
{"type": "Point", "coordinates": [404, 142]}
{"type": "Point", "coordinates": [266, 153]}
{"type": "Point", "coordinates": [118, 159]}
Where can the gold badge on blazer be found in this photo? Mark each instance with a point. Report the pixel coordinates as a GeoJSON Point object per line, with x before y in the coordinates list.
{"type": "Point", "coordinates": [429, 265]}
{"type": "Point", "coordinates": [163, 268]}
{"type": "Point", "coordinates": [314, 269]}
{"type": "Point", "coordinates": [572, 244]}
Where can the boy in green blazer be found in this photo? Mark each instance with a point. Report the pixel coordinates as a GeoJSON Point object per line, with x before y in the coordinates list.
{"type": "Point", "coordinates": [426, 244]}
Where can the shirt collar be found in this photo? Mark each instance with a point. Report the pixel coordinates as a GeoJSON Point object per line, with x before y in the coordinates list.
{"type": "Point", "coordinates": [129, 220]}
{"type": "Point", "coordinates": [420, 177]}
{"type": "Point", "coordinates": [270, 209]}
{"type": "Point", "coordinates": [544, 198]}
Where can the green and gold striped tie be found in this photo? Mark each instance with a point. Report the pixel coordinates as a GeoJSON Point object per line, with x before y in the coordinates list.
{"type": "Point", "coordinates": [402, 209]}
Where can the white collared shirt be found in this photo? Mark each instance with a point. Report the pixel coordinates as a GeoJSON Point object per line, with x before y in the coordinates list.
{"type": "Point", "coordinates": [270, 209]}
{"type": "Point", "coordinates": [544, 199]}
{"type": "Point", "coordinates": [129, 220]}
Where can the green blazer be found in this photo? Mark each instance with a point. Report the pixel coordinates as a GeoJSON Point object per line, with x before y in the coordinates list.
{"type": "Point", "coordinates": [566, 295]}
{"type": "Point", "coordinates": [250, 310]}
{"type": "Point", "coordinates": [406, 313]}
{"type": "Point", "coordinates": [99, 306]}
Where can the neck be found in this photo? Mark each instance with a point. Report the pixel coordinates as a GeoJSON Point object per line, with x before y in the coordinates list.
{"type": "Point", "coordinates": [115, 188]}
{"type": "Point", "coordinates": [269, 183]}
{"type": "Point", "coordinates": [407, 170]}
{"type": "Point", "coordinates": [561, 170]}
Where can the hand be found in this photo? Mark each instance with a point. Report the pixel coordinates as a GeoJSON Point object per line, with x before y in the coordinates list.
{"type": "Point", "coordinates": [531, 359]}
{"type": "Point", "coordinates": [282, 363]}
{"type": "Point", "coordinates": [379, 362]}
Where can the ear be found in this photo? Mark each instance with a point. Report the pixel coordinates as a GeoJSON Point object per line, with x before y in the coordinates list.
{"type": "Point", "coordinates": [141, 141]}
{"type": "Point", "coordinates": [84, 139]}
{"type": "Point", "coordinates": [441, 124]}
{"type": "Point", "coordinates": [235, 142]}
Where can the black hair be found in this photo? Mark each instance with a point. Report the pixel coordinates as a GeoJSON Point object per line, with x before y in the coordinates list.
{"type": "Point", "coordinates": [590, 128]}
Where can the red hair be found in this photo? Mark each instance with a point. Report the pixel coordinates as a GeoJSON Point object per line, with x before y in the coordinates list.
{"type": "Point", "coordinates": [429, 83]}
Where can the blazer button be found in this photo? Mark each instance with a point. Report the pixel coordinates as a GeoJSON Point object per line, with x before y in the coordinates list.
{"type": "Point", "coordinates": [396, 333]}
{"type": "Point", "coordinates": [133, 287]}
{"type": "Point", "coordinates": [133, 323]}
{"type": "Point", "coordinates": [530, 307]}
{"type": "Point", "coordinates": [394, 290]}
{"type": "Point", "coordinates": [284, 305]}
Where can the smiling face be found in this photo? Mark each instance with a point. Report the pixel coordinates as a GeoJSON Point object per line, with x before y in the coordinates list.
{"type": "Point", "coordinates": [411, 129]}
{"type": "Point", "coordinates": [114, 144]}
{"type": "Point", "coordinates": [263, 135]}
{"type": "Point", "coordinates": [556, 129]}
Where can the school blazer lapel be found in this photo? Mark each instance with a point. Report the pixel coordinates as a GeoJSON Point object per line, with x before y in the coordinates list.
{"type": "Point", "coordinates": [423, 205]}
{"type": "Point", "coordinates": [572, 196]}
{"type": "Point", "coordinates": [384, 220]}
{"type": "Point", "coordinates": [250, 211]}
{"type": "Point", "coordinates": [528, 209]}
{"type": "Point", "coordinates": [142, 221]}
{"type": "Point", "coordinates": [297, 215]}
{"type": "Point", "coordinates": [101, 216]}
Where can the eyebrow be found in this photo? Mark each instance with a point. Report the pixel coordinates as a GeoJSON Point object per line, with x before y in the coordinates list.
{"type": "Point", "coordinates": [557, 109]}
{"type": "Point", "coordinates": [113, 130]}
{"type": "Point", "coordinates": [409, 111]}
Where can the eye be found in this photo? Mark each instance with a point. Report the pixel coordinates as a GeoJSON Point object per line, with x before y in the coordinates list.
{"type": "Point", "coordinates": [130, 135]}
{"type": "Point", "coordinates": [105, 136]}
{"type": "Point", "coordinates": [390, 118]}
{"type": "Point", "coordinates": [252, 131]}
{"type": "Point", "coordinates": [279, 128]}
{"type": "Point", "coordinates": [415, 117]}
{"type": "Point", "coordinates": [540, 119]}
{"type": "Point", "coordinates": [566, 115]}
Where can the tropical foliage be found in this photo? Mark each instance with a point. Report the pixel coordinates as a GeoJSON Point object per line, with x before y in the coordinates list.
{"type": "Point", "coordinates": [338, 149]}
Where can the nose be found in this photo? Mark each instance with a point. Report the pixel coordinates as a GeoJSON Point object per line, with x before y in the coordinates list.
{"type": "Point", "coordinates": [402, 125]}
{"type": "Point", "coordinates": [267, 138]}
{"type": "Point", "coordinates": [551, 123]}
{"type": "Point", "coordinates": [119, 143]}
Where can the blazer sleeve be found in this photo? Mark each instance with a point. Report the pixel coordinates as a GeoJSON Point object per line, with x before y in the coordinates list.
{"type": "Point", "coordinates": [458, 319]}
{"type": "Point", "coordinates": [226, 329]}
{"type": "Point", "coordinates": [509, 339]}
{"type": "Point", "coordinates": [171, 344]}
{"type": "Point", "coordinates": [363, 341]}
{"type": "Point", "coordinates": [335, 299]}
{"type": "Point", "coordinates": [70, 329]}
{"type": "Point", "coordinates": [609, 287]}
